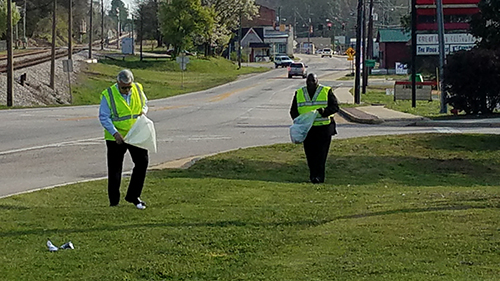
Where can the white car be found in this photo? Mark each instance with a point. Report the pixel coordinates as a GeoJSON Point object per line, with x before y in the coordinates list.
{"type": "Point", "coordinates": [282, 61]}
{"type": "Point", "coordinates": [327, 53]}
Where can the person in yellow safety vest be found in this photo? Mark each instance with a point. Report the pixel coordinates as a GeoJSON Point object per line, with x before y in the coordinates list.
{"type": "Point", "coordinates": [317, 143]}
{"type": "Point", "coordinates": [121, 105]}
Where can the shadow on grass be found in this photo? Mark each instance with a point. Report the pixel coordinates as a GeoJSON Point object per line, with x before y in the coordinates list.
{"type": "Point", "coordinates": [238, 223]}
{"type": "Point", "coordinates": [354, 170]}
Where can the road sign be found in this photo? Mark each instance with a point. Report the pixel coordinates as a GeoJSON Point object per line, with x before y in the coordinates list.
{"type": "Point", "coordinates": [67, 65]}
{"type": "Point", "coordinates": [182, 61]}
{"type": "Point", "coordinates": [370, 63]}
{"type": "Point", "coordinates": [350, 52]}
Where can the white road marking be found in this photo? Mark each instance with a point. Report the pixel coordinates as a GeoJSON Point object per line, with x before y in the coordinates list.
{"type": "Point", "coordinates": [78, 142]}
{"type": "Point", "coordinates": [447, 130]}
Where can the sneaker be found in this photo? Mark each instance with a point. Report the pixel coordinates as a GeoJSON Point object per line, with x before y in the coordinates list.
{"type": "Point", "coordinates": [141, 206]}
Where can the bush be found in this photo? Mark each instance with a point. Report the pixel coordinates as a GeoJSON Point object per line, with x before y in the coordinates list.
{"type": "Point", "coordinates": [472, 80]}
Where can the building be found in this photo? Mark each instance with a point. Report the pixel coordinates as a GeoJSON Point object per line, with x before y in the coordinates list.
{"type": "Point", "coordinates": [262, 38]}
{"type": "Point", "coordinates": [393, 47]}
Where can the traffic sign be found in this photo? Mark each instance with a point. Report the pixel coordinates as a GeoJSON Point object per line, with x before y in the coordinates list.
{"type": "Point", "coordinates": [182, 60]}
{"type": "Point", "coordinates": [350, 52]}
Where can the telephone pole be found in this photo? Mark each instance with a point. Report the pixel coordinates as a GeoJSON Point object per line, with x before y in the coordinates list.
{"type": "Point", "coordinates": [10, 58]}
{"type": "Point", "coordinates": [53, 58]}
{"type": "Point", "coordinates": [90, 28]}
{"type": "Point", "coordinates": [102, 25]}
{"type": "Point", "coordinates": [70, 30]}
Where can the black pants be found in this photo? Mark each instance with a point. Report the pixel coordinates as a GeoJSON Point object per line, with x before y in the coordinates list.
{"type": "Point", "coordinates": [316, 146]}
{"type": "Point", "coordinates": [115, 155]}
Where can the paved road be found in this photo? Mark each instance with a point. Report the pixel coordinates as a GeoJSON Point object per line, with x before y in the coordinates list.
{"type": "Point", "coordinates": [53, 146]}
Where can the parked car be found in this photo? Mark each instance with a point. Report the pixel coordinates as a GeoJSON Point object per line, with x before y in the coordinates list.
{"type": "Point", "coordinates": [282, 61]}
{"type": "Point", "coordinates": [319, 51]}
{"type": "Point", "coordinates": [297, 69]}
{"type": "Point", "coordinates": [327, 53]}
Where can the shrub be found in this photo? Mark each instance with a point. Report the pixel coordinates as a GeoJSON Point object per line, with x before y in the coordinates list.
{"type": "Point", "coordinates": [472, 80]}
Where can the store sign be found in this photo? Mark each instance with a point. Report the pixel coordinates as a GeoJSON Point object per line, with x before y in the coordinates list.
{"type": "Point", "coordinates": [428, 44]}
{"type": "Point", "coordinates": [434, 49]}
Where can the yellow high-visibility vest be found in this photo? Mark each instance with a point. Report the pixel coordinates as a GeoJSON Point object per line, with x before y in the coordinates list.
{"type": "Point", "coordinates": [320, 100]}
{"type": "Point", "coordinates": [123, 115]}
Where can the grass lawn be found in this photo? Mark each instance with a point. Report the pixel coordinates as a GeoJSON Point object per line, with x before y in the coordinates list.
{"type": "Point", "coordinates": [411, 207]}
{"type": "Point", "coordinates": [160, 78]}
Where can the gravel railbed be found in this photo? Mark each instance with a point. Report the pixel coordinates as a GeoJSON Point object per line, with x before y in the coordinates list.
{"type": "Point", "coordinates": [36, 90]}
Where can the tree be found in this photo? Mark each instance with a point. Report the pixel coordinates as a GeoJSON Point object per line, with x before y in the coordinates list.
{"type": "Point", "coordinates": [473, 80]}
{"type": "Point", "coordinates": [147, 15]}
{"type": "Point", "coordinates": [227, 17]}
{"type": "Point", "coordinates": [3, 16]}
{"type": "Point", "coordinates": [182, 20]}
{"type": "Point", "coordinates": [486, 24]}
{"type": "Point", "coordinates": [119, 13]}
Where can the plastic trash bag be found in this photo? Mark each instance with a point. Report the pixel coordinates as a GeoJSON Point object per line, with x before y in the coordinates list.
{"type": "Point", "coordinates": [142, 134]}
{"type": "Point", "coordinates": [301, 126]}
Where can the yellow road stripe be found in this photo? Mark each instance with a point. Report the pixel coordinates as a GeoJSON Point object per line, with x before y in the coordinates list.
{"type": "Point", "coordinates": [226, 95]}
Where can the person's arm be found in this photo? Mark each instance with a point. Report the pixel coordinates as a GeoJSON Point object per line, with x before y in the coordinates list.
{"type": "Point", "coordinates": [105, 119]}
{"type": "Point", "coordinates": [294, 111]}
{"type": "Point", "coordinates": [332, 107]}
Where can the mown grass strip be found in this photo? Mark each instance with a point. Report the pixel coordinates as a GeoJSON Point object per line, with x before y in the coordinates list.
{"type": "Point", "coordinates": [412, 207]}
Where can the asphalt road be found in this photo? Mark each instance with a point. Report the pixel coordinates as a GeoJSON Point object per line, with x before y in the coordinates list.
{"type": "Point", "coordinates": [45, 147]}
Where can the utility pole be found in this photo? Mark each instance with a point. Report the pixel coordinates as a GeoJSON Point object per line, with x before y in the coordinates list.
{"type": "Point", "coordinates": [141, 31]}
{"type": "Point", "coordinates": [25, 40]}
{"type": "Point", "coordinates": [413, 53]}
{"type": "Point", "coordinates": [10, 56]}
{"type": "Point", "coordinates": [53, 58]}
{"type": "Point", "coordinates": [363, 51]}
{"type": "Point", "coordinates": [118, 29]}
{"type": "Point", "coordinates": [357, 96]}
{"type": "Point", "coordinates": [70, 30]}
{"type": "Point", "coordinates": [239, 40]}
{"type": "Point", "coordinates": [369, 52]}
{"type": "Point", "coordinates": [442, 54]}
{"type": "Point", "coordinates": [102, 25]}
{"type": "Point", "coordinates": [90, 28]}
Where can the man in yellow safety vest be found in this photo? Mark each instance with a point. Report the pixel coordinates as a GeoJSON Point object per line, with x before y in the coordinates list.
{"type": "Point", "coordinates": [121, 105]}
{"type": "Point", "coordinates": [317, 143]}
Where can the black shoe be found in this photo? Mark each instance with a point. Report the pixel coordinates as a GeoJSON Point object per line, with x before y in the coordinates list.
{"type": "Point", "coordinates": [315, 180]}
{"type": "Point", "coordinates": [136, 201]}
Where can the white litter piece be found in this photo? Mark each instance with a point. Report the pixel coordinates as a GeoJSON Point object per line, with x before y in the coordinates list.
{"type": "Point", "coordinates": [51, 246]}
{"type": "Point", "coordinates": [68, 245]}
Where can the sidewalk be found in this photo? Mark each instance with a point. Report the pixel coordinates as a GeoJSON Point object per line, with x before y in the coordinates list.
{"type": "Point", "coordinates": [378, 114]}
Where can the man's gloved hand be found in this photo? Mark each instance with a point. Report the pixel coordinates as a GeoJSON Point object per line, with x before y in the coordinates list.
{"type": "Point", "coordinates": [118, 138]}
{"type": "Point", "coordinates": [321, 111]}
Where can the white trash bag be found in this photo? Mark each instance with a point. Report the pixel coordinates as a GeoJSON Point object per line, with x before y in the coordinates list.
{"type": "Point", "coordinates": [142, 134]}
{"type": "Point", "coordinates": [301, 126]}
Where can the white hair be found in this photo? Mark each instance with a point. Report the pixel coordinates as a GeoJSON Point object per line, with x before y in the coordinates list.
{"type": "Point", "coordinates": [125, 76]}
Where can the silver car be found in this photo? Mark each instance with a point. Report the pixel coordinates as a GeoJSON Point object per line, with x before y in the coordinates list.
{"type": "Point", "coordinates": [297, 69]}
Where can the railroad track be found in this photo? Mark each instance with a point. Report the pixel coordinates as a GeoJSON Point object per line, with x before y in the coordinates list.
{"type": "Point", "coordinates": [22, 60]}
{"type": "Point", "coordinates": [41, 56]}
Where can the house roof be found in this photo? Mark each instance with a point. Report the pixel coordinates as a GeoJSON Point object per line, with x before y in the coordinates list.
{"type": "Point", "coordinates": [393, 35]}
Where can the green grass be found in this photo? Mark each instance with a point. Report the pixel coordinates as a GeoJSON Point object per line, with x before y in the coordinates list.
{"type": "Point", "coordinates": [160, 78]}
{"type": "Point", "coordinates": [377, 96]}
{"type": "Point", "coordinates": [412, 207]}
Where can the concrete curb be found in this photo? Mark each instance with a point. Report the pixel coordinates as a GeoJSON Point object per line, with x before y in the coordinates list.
{"type": "Point", "coordinates": [355, 115]}
{"type": "Point", "coordinates": [455, 124]}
